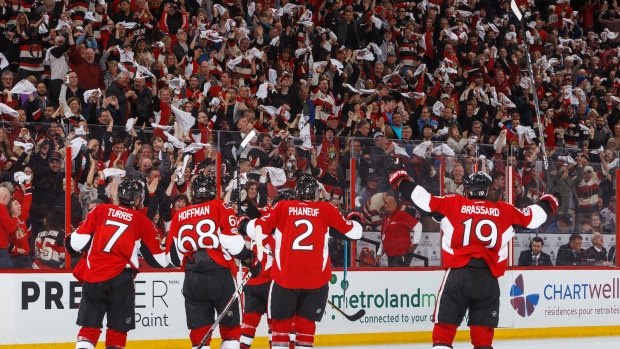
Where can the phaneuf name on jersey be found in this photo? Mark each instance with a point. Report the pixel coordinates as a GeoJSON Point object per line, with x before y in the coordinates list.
{"type": "Point", "coordinates": [194, 212]}
{"type": "Point", "coordinates": [473, 209]}
{"type": "Point", "coordinates": [303, 211]}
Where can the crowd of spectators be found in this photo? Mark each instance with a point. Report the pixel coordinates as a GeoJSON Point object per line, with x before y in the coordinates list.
{"type": "Point", "coordinates": [154, 90]}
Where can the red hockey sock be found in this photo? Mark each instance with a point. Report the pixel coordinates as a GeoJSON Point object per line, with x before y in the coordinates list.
{"type": "Point", "coordinates": [230, 336]}
{"type": "Point", "coordinates": [114, 338]}
{"type": "Point", "coordinates": [196, 335]}
{"type": "Point", "coordinates": [481, 336]}
{"type": "Point", "coordinates": [444, 334]}
{"type": "Point", "coordinates": [89, 334]}
{"type": "Point", "coordinates": [279, 333]}
{"type": "Point", "coordinates": [304, 332]}
{"type": "Point", "coordinates": [248, 328]}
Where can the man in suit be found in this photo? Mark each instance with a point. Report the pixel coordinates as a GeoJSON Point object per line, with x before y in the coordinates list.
{"type": "Point", "coordinates": [535, 256]}
{"type": "Point", "coordinates": [597, 252]}
{"type": "Point", "coordinates": [569, 254]}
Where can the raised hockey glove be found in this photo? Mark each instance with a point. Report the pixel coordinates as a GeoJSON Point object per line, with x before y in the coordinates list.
{"type": "Point", "coordinates": [397, 173]}
{"type": "Point", "coordinates": [253, 265]}
{"type": "Point", "coordinates": [355, 216]}
{"type": "Point", "coordinates": [242, 222]}
{"type": "Point", "coordinates": [552, 201]}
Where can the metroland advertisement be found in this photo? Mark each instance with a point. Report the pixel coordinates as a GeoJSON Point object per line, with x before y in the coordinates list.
{"type": "Point", "coordinates": [394, 301]}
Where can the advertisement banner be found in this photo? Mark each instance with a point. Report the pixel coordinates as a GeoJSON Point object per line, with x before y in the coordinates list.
{"type": "Point", "coordinates": [562, 298]}
{"type": "Point", "coordinates": [42, 308]}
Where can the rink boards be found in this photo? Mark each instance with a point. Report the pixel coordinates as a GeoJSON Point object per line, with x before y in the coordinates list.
{"type": "Point", "coordinates": [42, 308]}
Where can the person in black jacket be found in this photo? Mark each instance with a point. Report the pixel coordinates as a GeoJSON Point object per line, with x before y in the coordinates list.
{"type": "Point", "coordinates": [535, 256]}
{"type": "Point", "coordinates": [571, 254]}
{"type": "Point", "coordinates": [597, 251]}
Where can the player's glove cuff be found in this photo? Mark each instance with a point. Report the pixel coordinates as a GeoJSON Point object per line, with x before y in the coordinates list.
{"type": "Point", "coordinates": [355, 216]}
{"type": "Point", "coordinates": [396, 176]}
{"type": "Point", "coordinates": [552, 201]}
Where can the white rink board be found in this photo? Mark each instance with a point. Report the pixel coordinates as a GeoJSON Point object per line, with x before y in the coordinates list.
{"type": "Point", "coordinates": [162, 316]}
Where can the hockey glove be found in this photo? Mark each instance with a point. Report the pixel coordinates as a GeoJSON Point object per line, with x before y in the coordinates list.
{"type": "Point", "coordinates": [397, 173]}
{"type": "Point", "coordinates": [253, 265]}
{"type": "Point", "coordinates": [243, 223]}
{"type": "Point", "coordinates": [355, 216]}
{"type": "Point", "coordinates": [552, 200]}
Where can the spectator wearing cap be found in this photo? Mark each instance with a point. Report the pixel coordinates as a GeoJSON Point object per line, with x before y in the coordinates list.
{"type": "Point", "coordinates": [173, 20]}
{"type": "Point", "coordinates": [390, 65]}
{"type": "Point", "coordinates": [564, 225]}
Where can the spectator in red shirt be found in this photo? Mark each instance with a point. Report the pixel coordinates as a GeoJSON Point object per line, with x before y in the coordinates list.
{"type": "Point", "coordinates": [7, 228]}
{"type": "Point", "coordinates": [396, 235]}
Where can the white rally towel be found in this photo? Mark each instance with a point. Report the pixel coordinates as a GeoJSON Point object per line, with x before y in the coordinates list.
{"type": "Point", "coordinates": [20, 177]}
{"type": "Point", "coordinates": [114, 172]}
{"type": "Point", "coordinates": [129, 125]}
{"type": "Point", "coordinates": [262, 90]}
{"type": "Point", "coordinates": [180, 171]}
{"type": "Point", "coordinates": [128, 25]}
{"type": "Point", "coordinates": [318, 65]}
{"type": "Point", "coordinates": [174, 141]}
{"type": "Point", "coordinates": [304, 134]}
{"type": "Point", "coordinates": [212, 35]}
{"type": "Point", "coordinates": [337, 64]}
{"type": "Point", "coordinates": [420, 149]}
{"type": "Point", "coordinates": [364, 54]}
{"type": "Point", "coordinates": [162, 127]}
{"type": "Point", "coordinates": [27, 146]}
{"type": "Point", "coordinates": [443, 149]}
{"type": "Point", "coordinates": [195, 147]}
{"type": "Point", "coordinates": [90, 93]}
{"type": "Point", "coordinates": [91, 17]}
{"type": "Point", "coordinates": [23, 87]}
{"type": "Point", "coordinates": [62, 24]}
{"type": "Point", "coordinates": [277, 176]}
{"type": "Point", "coordinates": [420, 69]}
{"type": "Point", "coordinates": [76, 145]}
{"type": "Point", "coordinates": [234, 62]}
{"type": "Point", "coordinates": [377, 22]}
{"type": "Point", "coordinates": [399, 150]}
{"type": "Point", "coordinates": [183, 118]}
{"type": "Point", "coordinates": [274, 41]}
{"type": "Point", "coordinates": [142, 72]}
{"type": "Point", "coordinates": [126, 56]}
{"type": "Point", "coordinates": [609, 34]}
{"type": "Point", "coordinates": [3, 61]}
{"type": "Point", "coordinates": [5, 109]}
{"type": "Point", "coordinates": [80, 131]}
{"type": "Point", "coordinates": [254, 52]}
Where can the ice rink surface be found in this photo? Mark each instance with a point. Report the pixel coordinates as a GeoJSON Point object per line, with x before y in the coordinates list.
{"type": "Point", "coordinates": [555, 343]}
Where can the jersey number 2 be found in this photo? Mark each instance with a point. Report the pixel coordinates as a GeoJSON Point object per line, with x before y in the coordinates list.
{"type": "Point", "coordinates": [491, 238]}
{"type": "Point", "coordinates": [298, 242]}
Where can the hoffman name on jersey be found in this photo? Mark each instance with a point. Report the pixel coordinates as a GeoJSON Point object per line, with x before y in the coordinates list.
{"type": "Point", "coordinates": [303, 211]}
{"type": "Point", "coordinates": [473, 209]}
{"type": "Point", "coordinates": [194, 212]}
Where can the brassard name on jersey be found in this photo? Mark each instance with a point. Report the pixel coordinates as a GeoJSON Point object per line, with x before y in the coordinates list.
{"type": "Point", "coordinates": [473, 209]}
{"type": "Point", "coordinates": [194, 212]}
{"type": "Point", "coordinates": [303, 211]}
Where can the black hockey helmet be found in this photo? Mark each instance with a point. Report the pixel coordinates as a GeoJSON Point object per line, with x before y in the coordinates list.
{"type": "Point", "coordinates": [203, 189]}
{"type": "Point", "coordinates": [477, 185]}
{"type": "Point", "coordinates": [283, 194]}
{"type": "Point", "coordinates": [306, 188]}
{"type": "Point", "coordinates": [128, 191]}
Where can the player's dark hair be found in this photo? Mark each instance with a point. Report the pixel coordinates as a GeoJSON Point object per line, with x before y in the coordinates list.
{"type": "Point", "coordinates": [55, 220]}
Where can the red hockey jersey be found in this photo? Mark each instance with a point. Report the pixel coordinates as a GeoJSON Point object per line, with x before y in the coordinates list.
{"type": "Point", "coordinates": [210, 226]}
{"type": "Point", "coordinates": [477, 228]}
{"type": "Point", "coordinates": [301, 234]}
{"type": "Point", "coordinates": [118, 235]}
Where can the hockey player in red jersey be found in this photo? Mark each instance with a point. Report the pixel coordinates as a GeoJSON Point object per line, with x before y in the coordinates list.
{"type": "Point", "coordinates": [111, 235]}
{"type": "Point", "coordinates": [256, 291]}
{"type": "Point", "coordinates": [475, 239]}
{"type": "Point", "coordinates": [301, 271]}
{"type": "Point", "coordinates": [203, 240]}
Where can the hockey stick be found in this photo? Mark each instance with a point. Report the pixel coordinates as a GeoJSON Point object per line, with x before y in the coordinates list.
{"type": "Point", "coordinates": [526, 43]}
{"type": "Point", "coordinates": [225, 310]}
{"type": "Point", "coordinates": [242, 146]}
{"type": "Point", "coordinates": [353, 317]}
